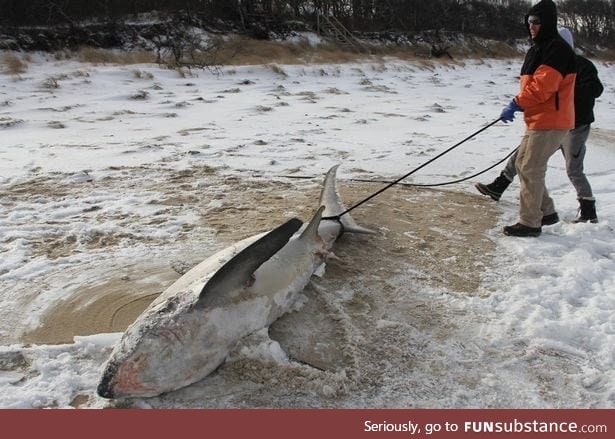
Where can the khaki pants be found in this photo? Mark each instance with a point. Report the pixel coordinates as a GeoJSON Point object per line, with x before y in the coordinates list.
{"type": "Point", "coordinates": [536, 147]}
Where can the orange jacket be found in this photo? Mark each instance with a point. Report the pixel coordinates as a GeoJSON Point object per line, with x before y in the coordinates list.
{"type": "Point", "coordinates": [547, 99]}
{"type": "Point", "coordinates": [547, 75]}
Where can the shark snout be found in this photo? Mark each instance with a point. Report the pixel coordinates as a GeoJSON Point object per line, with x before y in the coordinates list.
{"type": "Point", "coordinates": [105, 387]}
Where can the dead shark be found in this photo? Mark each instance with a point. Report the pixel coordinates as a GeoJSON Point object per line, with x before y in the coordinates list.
{"type": "Point", "coordinates": [189, 330]}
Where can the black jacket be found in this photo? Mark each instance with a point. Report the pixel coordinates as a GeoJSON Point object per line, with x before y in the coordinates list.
{"type": "Point", "coordinates": [586, 89]}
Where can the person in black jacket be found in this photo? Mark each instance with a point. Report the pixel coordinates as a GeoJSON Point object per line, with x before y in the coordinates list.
{"type": "Point", "coordinates": [587, 88]}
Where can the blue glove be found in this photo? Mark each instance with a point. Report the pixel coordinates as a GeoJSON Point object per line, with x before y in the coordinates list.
{"type": "Point", "coordinates": [508, 113]}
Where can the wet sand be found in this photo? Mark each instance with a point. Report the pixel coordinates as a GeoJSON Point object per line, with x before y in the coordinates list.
{"type": "Point", "coordinates": [440, 233]}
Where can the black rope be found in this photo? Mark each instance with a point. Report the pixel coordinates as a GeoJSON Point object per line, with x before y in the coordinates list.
{"type": "Point", "coordinates": [393, 183]}
{"type": "Point", "coordinates": [446, 183]}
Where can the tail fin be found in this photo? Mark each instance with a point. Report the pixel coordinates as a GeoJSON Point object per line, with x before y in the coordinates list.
{"type": "Point", "coordinates": [330, 198]}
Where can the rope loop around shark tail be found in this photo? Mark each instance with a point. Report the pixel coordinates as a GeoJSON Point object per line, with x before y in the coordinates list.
{"type": "Point", "coordinates": [338, 219]}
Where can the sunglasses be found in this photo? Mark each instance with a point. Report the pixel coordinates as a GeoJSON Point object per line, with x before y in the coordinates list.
{"type": "Point", "coordinates": [534, 20]}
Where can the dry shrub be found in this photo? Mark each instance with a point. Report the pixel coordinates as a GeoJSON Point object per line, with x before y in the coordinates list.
{"type": "Point", "coordinates": [105, 56]}
{"type": "Point", "coordinates": [184, 71]}
{"type": "Point", "coordinates": [14, 65]}
{"type": "Point", "coordinates": [239, 50]}
{"type": "Point", "coordinates": [139, 74]}
{"type": "Point", "coordinates": [277, 70]}
{"type": "Point", "coordinates": [51, 83]}
{"type": "Point", "coordinates": [81, 74]}
{"type": "Point", "coordinates": [606, 55]}
{"type": "Point", "coordinates": [60, 55]}
{"type": "Point", "coordinates": [245, 51]}
{"type": "Point", "coordinates": [491, 49]}
{"type": "Point", "coordinates": [330, 53]}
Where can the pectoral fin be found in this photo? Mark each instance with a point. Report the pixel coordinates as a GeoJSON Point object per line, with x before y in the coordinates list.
{"type": "Point", "coordinates": [237, 272]}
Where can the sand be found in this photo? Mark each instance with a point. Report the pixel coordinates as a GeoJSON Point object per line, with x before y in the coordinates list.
{"type": "Point", "coordinates": [440, 233]}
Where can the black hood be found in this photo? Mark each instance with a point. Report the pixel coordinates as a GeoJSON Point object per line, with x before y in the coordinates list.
{"type": "Point", "coordinates": [547, 11]}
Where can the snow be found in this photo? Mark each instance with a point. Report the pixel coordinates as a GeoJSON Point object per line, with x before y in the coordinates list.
{"type": "Point", "coordinates": [101, 168]}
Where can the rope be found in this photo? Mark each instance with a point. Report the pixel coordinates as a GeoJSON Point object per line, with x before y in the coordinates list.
{"type": "Point", "coordinates": [446, 183]}
{"type": "Point", "coordinates": [375, 194]}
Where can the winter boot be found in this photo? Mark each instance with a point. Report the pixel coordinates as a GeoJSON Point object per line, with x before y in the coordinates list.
{"type": "Point", "coordinates": [549, 220]}
{"type": "Point", "coordinates": [495, 189]}
{"type": "Point", "coordinates": [587, 211]}
{"type": "Point", "coordinates": [522, 230]}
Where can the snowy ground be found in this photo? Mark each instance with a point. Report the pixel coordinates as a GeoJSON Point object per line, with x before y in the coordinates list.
{"type": "Point", "coordinates": [115, 179]}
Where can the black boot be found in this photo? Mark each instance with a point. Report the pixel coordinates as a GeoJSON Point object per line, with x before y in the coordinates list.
{"type": "Point", "coordinates": [549, 220]}
{"type": "Point", "coordinates": [522, 230]}
{"type": "Point", "coordinates": [495, 189]}
{"type": "Point", "coordinates": [587, 211]}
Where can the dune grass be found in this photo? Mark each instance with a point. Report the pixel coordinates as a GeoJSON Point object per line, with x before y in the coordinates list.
{"type": "Point", "coordinates": [13, 64]}
{"type": "Point", "coordinates": [235, 50]}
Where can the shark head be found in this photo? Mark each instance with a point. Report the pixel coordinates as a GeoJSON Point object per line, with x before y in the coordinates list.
{"type": "Point", "coordinates": [146, 361]}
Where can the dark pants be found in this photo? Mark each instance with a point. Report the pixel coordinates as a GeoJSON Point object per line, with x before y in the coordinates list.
{"type": "Point", "coordinates": [573, 148]}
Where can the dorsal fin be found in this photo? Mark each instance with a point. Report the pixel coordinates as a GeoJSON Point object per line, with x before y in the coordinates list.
{"type": "Point", "coordinates": [329, 196]}
{"type": "Point", "coordinates": [238, 270]}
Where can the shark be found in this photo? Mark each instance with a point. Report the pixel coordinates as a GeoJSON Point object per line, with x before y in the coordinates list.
{"type": "Point", "coordinates": [187, 332]}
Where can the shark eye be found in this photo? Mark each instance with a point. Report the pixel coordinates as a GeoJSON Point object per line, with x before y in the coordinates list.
{"type": "Point", "coordinates": [169, 306]}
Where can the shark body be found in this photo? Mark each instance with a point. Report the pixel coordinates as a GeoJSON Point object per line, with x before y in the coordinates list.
{"type": "Point", "coordinates": [189, 330]}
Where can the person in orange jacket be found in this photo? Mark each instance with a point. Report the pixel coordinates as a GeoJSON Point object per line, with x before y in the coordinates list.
{"type": "Point", "coordinates": [587, 89]}
{"type": "Point", "coordinates": [546, 98]}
